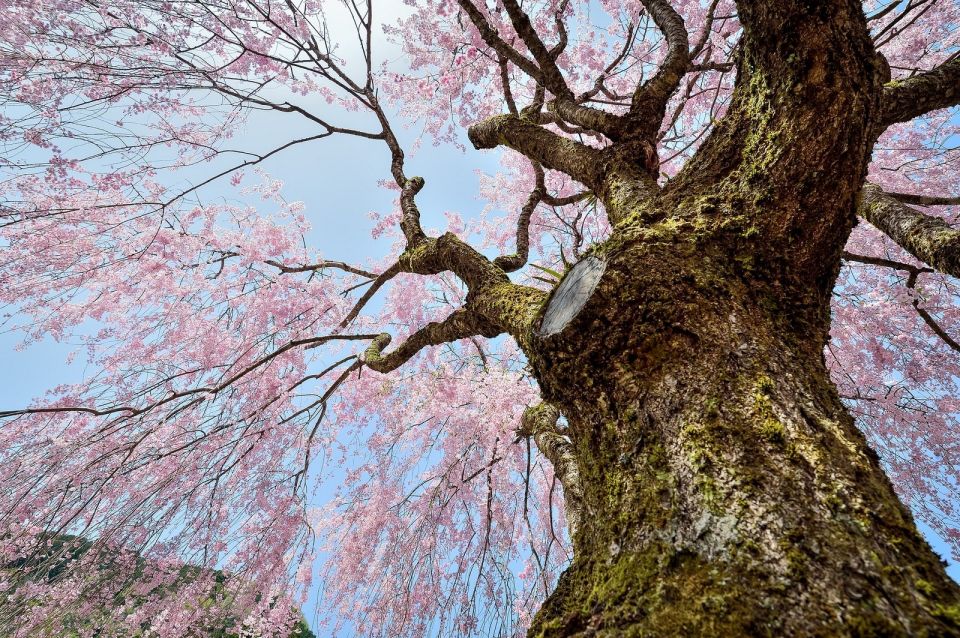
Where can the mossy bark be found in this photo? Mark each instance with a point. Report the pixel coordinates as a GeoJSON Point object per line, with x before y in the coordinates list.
{"type": "Point", "coordinates": [725, 489]}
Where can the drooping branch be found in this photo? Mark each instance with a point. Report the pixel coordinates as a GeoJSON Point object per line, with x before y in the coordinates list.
{"type": "Point", "coordinates": [907, 99]}
{"type": "Point", "coordinates": [930, 239]}
{"type": "Point", "coordinates": [504, 67]}
{"type": "Point", "coordinates": [462, 324]}
{"type": "Point", "coordinates": [540, 422]}
{"type": "Point", "coordinates": [511, 263]}
{"type": "Point", "coordinates": [130, 411]}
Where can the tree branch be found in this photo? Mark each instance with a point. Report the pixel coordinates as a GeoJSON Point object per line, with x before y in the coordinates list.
{"type": "Point", "coordinates": [608, 124]}
{"type": "Point", "coordinates": [410, 224]}
{"type": "Point", "coordinates": [938, 88]}
{"type": "Point", "coordinates": [511, 263]}
{"type": "Point", "coordinates": [321, 266]}
{"type": "Point", "coordinates": [650, 99]}
{"type": "Point", "coordinates": [552, 78]}
{"type": "Point", "coordinates": [544, 70]}
{"type": "Point", "coordinates": [495, 42]}
{"type": "Point", "coordinates": [914, 272]}
{"type": "Point", "coordinates": [579, 161]}
{"type": "Point", "coordinates": [540, 422]}
{"type": "Point", "coordinates": [924, 200]}
{"type": "Point", "coordinates": [930, 239]}
{"type": "Point", "coordinates": [462, 324]}
{"type": "Point", "coordinates": [885, 263]}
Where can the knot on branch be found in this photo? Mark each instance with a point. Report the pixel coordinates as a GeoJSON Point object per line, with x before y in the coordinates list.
{"type": "Point", "coordinates": [489, 133]}
{"type": "Point", "coordinates": [413, 186]}
{"type": "Point", "coordinates": [376, 347]}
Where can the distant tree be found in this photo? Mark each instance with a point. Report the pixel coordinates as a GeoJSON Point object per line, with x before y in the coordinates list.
{"type": "Point", "coordinates": [728, 243]}
{"type": "Point", "coordinates": [62, 553]}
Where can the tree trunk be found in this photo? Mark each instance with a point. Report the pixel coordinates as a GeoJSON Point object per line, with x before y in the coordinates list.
{"type": "Point", "coordinates": [725, 489]}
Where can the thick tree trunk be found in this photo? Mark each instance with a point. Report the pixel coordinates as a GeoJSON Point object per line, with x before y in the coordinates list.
{"type": "Point", "coordinates": [725, 489]}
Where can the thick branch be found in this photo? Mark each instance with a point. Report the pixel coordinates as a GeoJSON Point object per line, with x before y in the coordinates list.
{"type": "Point", "coordinates": [913, 97]}
{"type": "Point", "coordinates": [608, 124]}
{"type": "Point", "coordinates": [579, 161]}
{"type": "Point", "coordinates": [930, 239]}
{"type": "Point", "coordinates": [552, 78]}
{"type": "Point", "coordinates": [544, 70]}
{"type": "Point", "coordinates": [410, 224]}
{"type": "Point", "coordinates": [491, 295]}
{"type": "Point", "coordinates": [462, 324]}
{"type": "Point", "coordinates": [495, 42]}
{"type": "Point", "coordinates": [650, 100]}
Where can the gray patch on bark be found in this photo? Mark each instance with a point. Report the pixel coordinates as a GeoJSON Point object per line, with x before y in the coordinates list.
{"type": "Point", "coordinates": [713, 535]}
{"type": "Point", "coordinates": [571, 295]}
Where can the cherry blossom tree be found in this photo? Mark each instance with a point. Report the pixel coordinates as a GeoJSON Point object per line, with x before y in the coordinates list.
{"type": "Point", "coordinates": [653, 383]}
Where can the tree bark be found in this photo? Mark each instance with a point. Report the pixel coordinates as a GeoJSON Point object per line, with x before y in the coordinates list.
{"type": "Point", "coordinates": [724, 489]}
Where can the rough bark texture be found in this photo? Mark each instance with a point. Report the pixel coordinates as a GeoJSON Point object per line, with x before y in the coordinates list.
{"type": "Point", "coordinates": [724, 489]}
{"type": "Point", "coordinates": [926, 237]}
